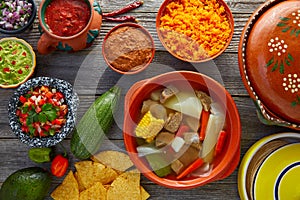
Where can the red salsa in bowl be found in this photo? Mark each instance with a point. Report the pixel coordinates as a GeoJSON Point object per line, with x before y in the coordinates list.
{"type": "Point", "coordinates": [42, 111]}
{"type": "Point", "coordinates": [67, 17]}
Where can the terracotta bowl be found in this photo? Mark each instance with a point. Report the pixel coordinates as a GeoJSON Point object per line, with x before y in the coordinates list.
{"type": "Point", "coordinates": [128, 48]}
{"type": "Point", "coordinates": [268, 61]}
{"type": "Point", "coordinates": [70, 97]}
{"type": "Point", "coordinates": [26, 26]}
{"type": "Point", "coordinates": [270, 169]}
{"type": "Point", "coordinates": [223, 165]}
{"type": "Point", "coordinates": [17, 62]}
{"type": "Point", "coordinates": [182, 33]}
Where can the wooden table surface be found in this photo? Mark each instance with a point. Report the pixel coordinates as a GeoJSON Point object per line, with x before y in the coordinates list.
{"type": "Point", "coordinates": [91, 77]}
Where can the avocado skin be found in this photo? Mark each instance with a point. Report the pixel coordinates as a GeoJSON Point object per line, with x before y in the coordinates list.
{"type": "Point", "coordinates": [31, 183]}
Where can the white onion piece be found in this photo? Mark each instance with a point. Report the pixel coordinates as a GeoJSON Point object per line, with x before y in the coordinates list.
{"type": "Point", "coordinates": [177, 144]}
{"type": "Point", "coordinates": [146, 150]}
{"type": "Point", "coordinates": [214, 126]}
{"type": "Point", "coordinates": [186, 103]}
{"type": "Point", "coordinates": [203, 171]}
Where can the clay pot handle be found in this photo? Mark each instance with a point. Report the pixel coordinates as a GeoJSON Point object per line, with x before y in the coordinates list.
{"type": "Point", "coordinates": [45, 44]}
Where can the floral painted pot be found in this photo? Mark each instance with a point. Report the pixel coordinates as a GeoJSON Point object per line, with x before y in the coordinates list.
{"type": "Point", "coordinates": [49, 41]}
{"type": "Point", "coordinates": [269, 62]}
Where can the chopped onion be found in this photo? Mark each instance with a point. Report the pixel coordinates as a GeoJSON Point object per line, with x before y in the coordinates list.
{"type": "Point", "coordinates": [14, 14]}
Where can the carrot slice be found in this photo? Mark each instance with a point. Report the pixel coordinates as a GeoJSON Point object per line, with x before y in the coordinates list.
{"type": "Point", "coordinates": [192, 167]}
{"type": "Point", "coordinates": [220, 142]}
{"type": "Point", "coordinates": [204, 121]}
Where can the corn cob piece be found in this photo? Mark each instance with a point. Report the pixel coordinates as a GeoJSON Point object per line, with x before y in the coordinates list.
{"type": "Point", "coordinates": [149, 127]}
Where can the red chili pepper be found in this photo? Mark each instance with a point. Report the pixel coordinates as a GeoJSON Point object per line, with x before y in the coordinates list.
{"type": "Point", "coordinates": [204, 122]}
{"type": "Point", "coordinates": [124, 9]}
{"type": "Point", "coordinates": [192, 167]}
{"type": "Point", "coordinates": [59, 165]}
{"type": "Point", "coordinates": [121, 19]}
{"type": "Point", "coordinates": [181, 130]}
{"type": "Point", "coordinates": [23, 99]}
{"type": "Point", "coordinates": [220, 142]}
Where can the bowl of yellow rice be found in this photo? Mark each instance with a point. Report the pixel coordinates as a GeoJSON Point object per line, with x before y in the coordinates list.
{"type": "Point", "coordinates": [196, 30]}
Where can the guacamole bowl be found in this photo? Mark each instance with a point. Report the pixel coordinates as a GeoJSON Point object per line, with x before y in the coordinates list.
{"type": "Point", "coordinates": [158, 157]}
{"type": "Point", "coordinates": [42, 111]}
{"type": "Point", "coordinates": [17, 62]}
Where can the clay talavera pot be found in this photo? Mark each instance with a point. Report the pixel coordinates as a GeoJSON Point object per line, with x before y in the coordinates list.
{"type": "Point", "coordinates": [269, 62]}
{"type": "Point", "coordinates": [49, 42]}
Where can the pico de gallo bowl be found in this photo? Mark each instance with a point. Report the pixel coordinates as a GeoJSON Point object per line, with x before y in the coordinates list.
{"type": "Point", "coordinates": [42, 111]}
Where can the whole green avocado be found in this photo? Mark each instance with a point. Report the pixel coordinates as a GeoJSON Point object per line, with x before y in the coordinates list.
{"type": "Point", "coordinates": [31, 183]}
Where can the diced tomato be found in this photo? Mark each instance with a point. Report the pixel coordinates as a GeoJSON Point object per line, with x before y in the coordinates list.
{"type": "Point", "coordinates": [46, 127]}
{"type": "Point", "coordinates": [24, 53]}
{"type": "Point", "coordinates": [28, 103]}
{"type": "Point", "coordinates": [44, 89]}
{"type": "Point", "coordinates": [22, 99]}
{"type": "Point", "coordinates": [38, 109]}
{"type": "Point", "coordinates": [20, 71]}
{"type": "Point", "coordinates": [42, 134]}
{"type": "Point", "coordinates": [6, 70]}
{"type": "Point", "coordinates": [25, 129]}
{"type": "Point", "coordinates": [59, 95]}
{"type": "Point", "coordinates": [58, 121]}
{"type": "Point", "coordinates": [13, 62]}
{"type": "Point", "coordinates": [49, 95]}
{"type": "Point", "coordinates": [18, 112]}
{"type": "Point", "coordinates": [24, 115]}
{"type": "Point", "coordinates": [41, 102]}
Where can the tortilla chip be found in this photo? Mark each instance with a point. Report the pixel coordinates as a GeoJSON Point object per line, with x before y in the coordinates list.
{"type": "Point", "coordinates": [96, 192]}
{"type": "Point", "coordinates": [80, 185]}
{"type": "Point", "coordinates": [117, 160]}
{"type": "Point", "coordinates": [144, 194]}
{"type": "Point", "coordinates": [68, 190]}
{"type": "Point", "coordinates": [127, 186]}
{"type": "Point", "coordinates": [89, 173]}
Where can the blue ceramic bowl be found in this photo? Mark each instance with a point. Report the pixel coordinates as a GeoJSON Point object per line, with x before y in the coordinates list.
{"type": "Point", "coordinates": [71, 99]}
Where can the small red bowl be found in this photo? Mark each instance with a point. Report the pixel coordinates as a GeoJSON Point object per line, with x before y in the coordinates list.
{"type": "Point", "coordinates": [223, 165]}
{"type": "Point", "coordinates": [131, 43]}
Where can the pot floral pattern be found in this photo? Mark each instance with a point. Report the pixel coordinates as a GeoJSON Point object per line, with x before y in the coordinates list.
{"type": "Point", "coordinates": [282, 58]}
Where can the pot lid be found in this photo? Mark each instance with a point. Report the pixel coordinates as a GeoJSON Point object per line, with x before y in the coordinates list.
{"type": "Point", "coordinates": [270, 63]}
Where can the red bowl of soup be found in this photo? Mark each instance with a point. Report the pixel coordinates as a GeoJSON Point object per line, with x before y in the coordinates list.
{"type": "Point", "coordinates": [163, 133]}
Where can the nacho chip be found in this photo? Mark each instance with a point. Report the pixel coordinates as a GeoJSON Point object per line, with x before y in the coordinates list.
{"type": "Point", "coordinates": [96, 192]}
{"type": "Point", "coordinates": [127, 186]}
{"type": "Point", "coordinates": [144, 194]}
{"type": "Point", "coordinates": [117, 160]}
{"type": "Point", "coordinates": [68, 190]}
{"type": "Point", "coordinates": [79, 181]}
{"type": "Point", "coordinates": [88, 173]}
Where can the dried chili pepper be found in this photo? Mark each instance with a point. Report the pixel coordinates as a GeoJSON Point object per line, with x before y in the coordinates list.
{"type": "Point", "coordinates": [59, 165]}
{"type": "Point", "coordinates": [121, 19]}
{"type": "Point", "coordinates": [125, 9]}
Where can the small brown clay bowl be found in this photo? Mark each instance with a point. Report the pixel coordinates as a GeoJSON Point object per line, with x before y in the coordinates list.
{"type": "Point", "coordinates": [223, 165]}
{"type": "Point", "coordinates": [128, 48]}
{"type": "Point", "coordinates": [191, 33]}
